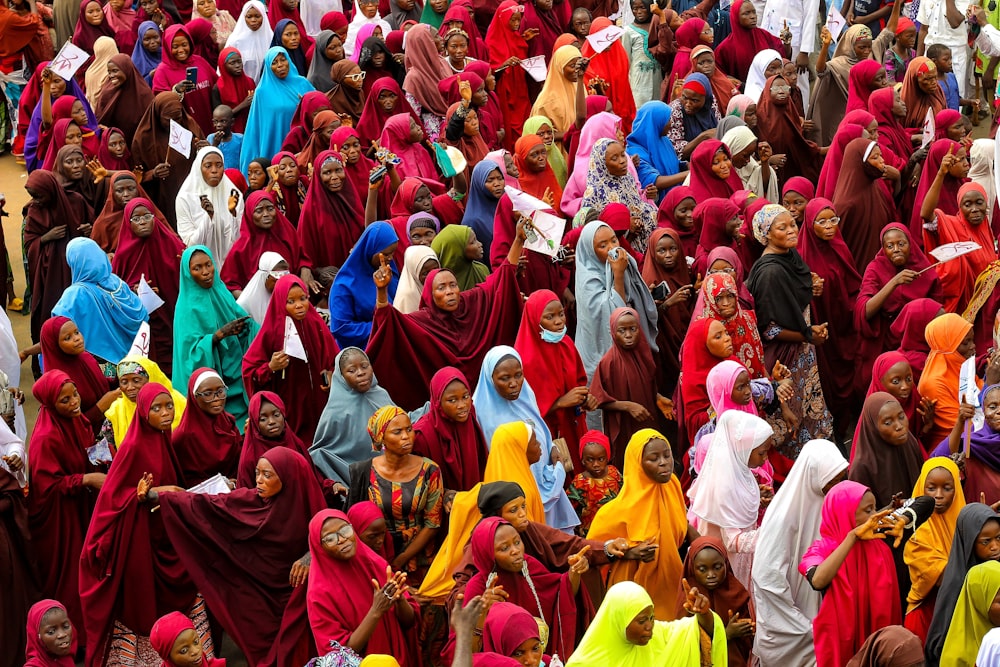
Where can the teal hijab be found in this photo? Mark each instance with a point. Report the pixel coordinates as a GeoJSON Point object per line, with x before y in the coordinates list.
{"type": "Point", "coordinates": [199, 314]}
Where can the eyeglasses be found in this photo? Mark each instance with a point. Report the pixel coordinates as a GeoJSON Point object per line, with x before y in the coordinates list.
{"type": "Point", "coordinates": [780, 89]}
{"type": "Point", "coordinates": [277, 275]}
{"type": "Point", "coordinates": [731, 271]}
{"type": "Point", "coordinates": [829, 222]}
{"type": "Point", "coordinates": [359, 76]}
{"type": "Point", "coordinates": [148, 217]}
{"type": "Point", "coordinates": [333, 539]}
{"type": "Point", "coordinates": [209, 395]}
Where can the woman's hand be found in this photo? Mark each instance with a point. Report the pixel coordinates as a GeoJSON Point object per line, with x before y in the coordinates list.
{"type": "Point", "coordinates": [494, 595]}
{"type": "Point", "coordinates": [234, 201]}
{"type": "Point", "coordinates": [530, 34]}
{"type": "Point", "coordinates": [780, 372]}
{"type": "Point", "coordinates": [820, 333]}
{"type": "Point", "coordinates": [510, 62]}
{"type": "Point", "coordinates": [578, 563]}
{"type": "Point", "coordinates": [234, 328]}
{"type": "Point", "coordinates": [94, 480]}
{"type": "Point", "coordinates": [636, 411]}
{"type": "Point", "coordinates": [144, 487]}
{"type": "Point", "coordinates": [695, 602]}
{"type": "Point", "coordinates": [739, 627]}
{"type": "Point", "coordinates": [182, 87]}
{"type": "Point", "coordinates": [300, 571]}
{"type": "Point", "coordinates": [966, 411]}
{"type": "Point", "coordinates": [14, 462]}
{"type": "Point", "coordinates": [904, 277]}
{"type": "Point", "coordinates": [206, 205]}
{"type": "Point", "coordinates": [926, 413]}
{"type": "Point", "coordinates": [465, 91]}
{"type": "Point", "coordinates": [618, 259]}
{"type": "Point", "coordinates": [666, 407]}
{"type": "Point", "coordinates": [574, 397]}
{"type": "Point", "coordinates": [383, 274]}
{"type": "Point", "coordinates": [97, 170]}
{"type": "Point", "coordinates": [161, 170]}
{"type": "Point", "coordinates": [825, 38]}
{"type": "Point", "coordinates": [868, 530]}
{"type": "Point", "coordinates": [279, 361]}
{"type": "Point", "coordinates": [104, 402]}
{"type": "Point", "coordinates": [817, 285]}
{"type": "Point", "coordinates": [679, 296]}
{"type": "Point", "coordinates": [54, 234]}
{"type": "Point", "coordinates": [947, 162]}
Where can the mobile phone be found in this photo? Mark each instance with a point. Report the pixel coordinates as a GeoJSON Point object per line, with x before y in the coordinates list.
{"type": "Point", "coordinates": [192, 74]}
{"type": "Point", "coordinates": [661, 291]}
{"type": "Point", "coordinates": [378, 173]}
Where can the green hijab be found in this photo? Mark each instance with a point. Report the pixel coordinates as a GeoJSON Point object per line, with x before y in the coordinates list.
{"type": "Point", "coordinates": [431, 17]}
{"type": "Point", "coordinates": [449, 245]}
{"type": "Point", "coordinates": [556, 158]}
{"type": "Point", "coordinates": [198, 315]}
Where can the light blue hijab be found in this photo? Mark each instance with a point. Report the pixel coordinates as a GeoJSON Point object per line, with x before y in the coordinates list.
{"type": "Point", "coordinates": [107, 312]}
{"type": "Point", "coordinates": [492, 410]}
{"type": "Point", "coordinates": [274, 104]}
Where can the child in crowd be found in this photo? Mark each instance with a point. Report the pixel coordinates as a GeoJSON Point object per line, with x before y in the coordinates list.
{"type": "Point", "coordinates": [227, 141]}
{"type": "Point", "coordinates": [598, 483]}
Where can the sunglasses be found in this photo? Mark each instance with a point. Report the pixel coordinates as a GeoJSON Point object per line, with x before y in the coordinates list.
{"type": "Point", "coordinates": [360, 76]}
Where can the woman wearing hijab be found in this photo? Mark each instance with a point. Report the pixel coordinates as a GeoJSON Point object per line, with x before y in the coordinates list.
{"type": "Point", "coordinates": [951, 340]}
{"type": "Point", "coordinates": [543, 127]}
{"type": "Point", "coordinates": [171, 75]}
{"type": "Point", "coordinates": [981, 467]}
{"type": "Point", "coordinates": [252, 42]}
{"type": "Point", "coordinates": [378, 62]}
{"type": "Point", "coordinates": [147, 52]}
{"type": "Point", "coordinates": [921, 91]}
{"type": "Point", "coordinates": [424, 69]}
{"type": "Point", "coordinates": [658, 163]}
{"type": "Point", "coordinates": [418, 261]}
{"type": "Point", "coordinates": [694, 120]}
{"type": "Point", "coordinates": [494, 407]}
{"type": "Point", "coordinates": [735, 53]}
{"type": "Point", "coordinates": [781, 285]}
{"type": "Point", "coordinates": [353, 298]}
{"type": "Point", "coordinates": [909, 327]}
{"type": "Point", "coordinates": [888, 108]}
{"type": "Point", "coordinates": [665, 263]}
{"type": "Point", "coordinates": [760, 178]}
{"type": "Point", "coordinates": [62, 480]}
{"type": "Point", "coordinates": [861, 593]}
{"type": "Point", "coordinates": [210, 329]}
{"type": "Point", "coordinates": [404, 137]}
{"type": "Point", "coordinates": [235, 90]}
{"type": "Point", "coordinates": [973, 617]}
{"type": "Point", "coordinates": [600, 125]}
{"type": "Point", "coordinates": [507, 47]}
{"type": "Point", "coordinates": [609, 70]}
{"type": "Point", "coordinates": [834, 161]}
{"type": "Point", "coordinates": [219, 536]}
{"type": "Point", "coordinates": [341, 611]}
{"type": "Point", "coordinates": [134, 372]}
{"type": "Point", "coordinates": [862, 204]}
{"type": "Point", "coordinates": [346, 96]}
{"type": "Point", "coordinates": [262, 229]}
{"type": "Point", "coordinates": [886, 457]}
{"type": "Point", "coordinates": [49, 619]}
{"type": "Point", "coordinates": [319, 67]}
{"type": "Point", "coordinates": [332, 215]}
{"type": "Point", "coordinates": [256, 296]}
{"type": "Point", "coordinates": [207, 441]}
{"type": "Point", "coordinates": [676, 211]}
{"type": "Point", "coordinates": [276, 97]}
{"type": "Point", "coordinates": [125, 543]}
{"type": "Point", "coordinates": [719, 221]}
{"type": "Point", "coordinates": [375, 115]}
{"type": "Point", "coordinates": [300, 380]}
{"type": "Point", "coordinates": [485, 191]}
{"type": "Point", "coordinates": [609, 180]}
{"type": "Point", "coordinates": [560, 96]}
{"type": "Point", "coordinates": [823, 250]}
{"type": "Point", "coordinates": [778, 122]}
{"type": "Point", "coordinates": [124, 97]}
{"type": "Point", "coordinates": [97, 70]}
{"type": "Point", "coordinates": [451, 246]}
{"type": "Point", "coordinates": [450, 435]}
{"type": "Point", "coordinates": [206, 211]}
{"type": "Point", "coordinates": [151, 150]}
{"type": "Point", "coordinates": [785, 603]}
{"type": "Point", "coordinates": [91, 25]}
{"type": "Point", "coordinates": [926, 552]}
{"type": "Point", "coordinates": [267, 428]}
{"type": "Point", "coordinates": [864, 78]}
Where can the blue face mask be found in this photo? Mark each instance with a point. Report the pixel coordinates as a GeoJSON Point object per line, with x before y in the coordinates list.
{"type": "Point", "coordinates": [553, 336]}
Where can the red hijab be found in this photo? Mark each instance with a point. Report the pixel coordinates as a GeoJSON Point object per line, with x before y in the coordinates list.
{"type": "Point", "coordinates": [374, 117]}
{"type": "Point", "coordinates": [36, 654]}
{"type": "Point", "coordinates": [948, 197]}
{"type": "Point", "coordinates": [861, 83]}
{"type": "Point", "coordinates": [281, 237]}
{"type": "Point", "coordinates": [909, 327]}
{"type": "Point", "coordinates": [85, 34]}
{"type": "Point", "coordinates": [340, 595]}
{"type": "Point", "coordinates": [712, 215]}
{"type": "Point", "coordinates": [165, 632]}
{"type": "Point", "coordinates": [943, 120]}
{"type": "Point", "coordinates": [834, 161]}
{"type": "Point", "coordinates": [883, 363]}
{"type": "Point", "coordinates": [665, 217]}
{"type": "Point", "coordinates": [473, 148]}
{"type": "Point", "coordinates": [612, 65]}
{"type": "Point", "coordinates": [704, 182]}
{"type": "Point", "coordinates": [82, 369]}
{"type": "Point", "coordinates": [880, 271]}
{"type": "Point", "coordinates": [330, 222]}
{"type": "Point", "coordinates": [696, 362]}
{"type": "Point", "coordinates": [459, 448]}
{"type": "Point", "coordinates": [535, 183]}
{"type": "Point", "coordinates": [736, 52]}
{"type": "Point", "coordinates": [157, 256]}
{"type": "Point", "coordinates": [892, 135]}
{"type": "Point", "coordinates": [363, 514]}
{"type": "Point", "coordinates": [233, 90]}
{"type": "Point", "coordinates": [254, 444]}
{"type": "Point", "coordinates": [687, 37]}
{"type": "Point", "coordinates": [205, 444]}
{"type": "Point", "coordinates": [396, 137]}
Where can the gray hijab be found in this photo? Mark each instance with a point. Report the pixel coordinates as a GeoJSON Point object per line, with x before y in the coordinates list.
{"type": "Point", "coordinates": [596, 298]}
{"type": "Point", "coordinates": [727, 123]}
{"type": "Point", "coordinates": [319, 69]}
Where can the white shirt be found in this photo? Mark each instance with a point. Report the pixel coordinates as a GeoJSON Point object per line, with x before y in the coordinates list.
{"type": "Point", "coordinates": [933, 14]}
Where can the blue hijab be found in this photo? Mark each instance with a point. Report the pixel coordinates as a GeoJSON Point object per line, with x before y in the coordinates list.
{"type": "Point", "coordinates": [106, 311]}
{"type": "Point", "coordinates": [704, 119]}
{"type": "Point", "coordinates": [655, 150]}
{"type": "Point", "coordinates": [141, 58]}
{"type": "Point", "coordinates": [481, 206]}
{"type": "Point", "coordinates": [271, 112]}
{"type": "Point", "coordinates": [492, 411]}
{"type": "Point", "coordinates": [353, 294]}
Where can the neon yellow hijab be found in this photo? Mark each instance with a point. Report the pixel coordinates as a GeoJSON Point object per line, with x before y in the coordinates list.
{"type": "Point", "coordinates": [970, 623]}
{"type": "Point", "coordinates": [122, 411]}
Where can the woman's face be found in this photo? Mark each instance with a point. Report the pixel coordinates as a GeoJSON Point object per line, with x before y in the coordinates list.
{"type": "Point", "coordinates": [875, 159]}
{"type": "Point", "coordinates": [339, 539]}
{"type": "Point", "coordinates": [722, 166]}
{"type": "Point", "coordinates": [211, 396]}
{"type": "Point", "coordinates": [151, 41]}
{"type": "Point", "coordinates": [457, 47]}
{"type": "Point", "coordinates": [256, 176]}
{"type": "Point", "coordinates": [927, 82]}
{"type": "Point", "coordinates": [117, 146]}
{"type": "Point", "coordinates": [355, 78]}
{"type": "Point", "coordinates": [719, 342]}
{"type": "Point", "coordinates": [880, 80]}
{"type": "Point", "coordinates": [270, 421]}
{"type": "Point", "coordinates": [387, 100]}
{"type": "Point", "coordinates": [707, 34]}
{"type": "Point", "coordinates": [297, 303]}
{"type": "Point", "coordinates": [684, 213]}
{"type": "Point", "coordinates": [422, 233]}
{"type": "Point", "coordinates": [640, 630]}
{"type": "Point", "coordinates": [908, 38]}
{"type": "Point", "coordinates": [759, 455]}
{"type": "Point", "coordinates": [538, 159]}
{"type": "Point", "coordinates": [332, 175]}
{"type": "Point", "coordinates": [213, 169]}
{"type": "Point", "coordinates": [726, 305]}
{"type": "Point", "coordinates": [334, 50]}
{"type": "Point", "coordinates": [705, 63]}
{"type": "Point", "coordinates": [471, 128]}
{"type": "Point", "coordinates": [893, 426]}
{"type": "Point", "coordinates": [351, 150]}
{"type": "Point", "coordinates": [180, 48]}
{"type": "Point", "coordinates": [234, 65]}
{"type": "Point", "coordinates": [268, 482]}
{"type": "Point", "coordinates": [445, 291]}
{"type": "Point", "coordinates": [368, 8]}
{"type": "Point", "coordinates": [533, 450]}
{"type": "Point", "coordinates": [709, 569]}
{"type": "Point", "coordinates": [161, 412]}
{"type": "Point", "coordinates": [529, 653]}
{"type": "Point", "coordinates": [973, 206]}
{"type": "Point", "coordinates": [866, 508]}
{"type": "Point", "coordinates": [961, 167]}
{"type": "Point", "coordinates": [429, 265]}
{"type": "Point", "coordinates": [896, 247]}
{"type": "Point", "coordinates": [795, 204]}
{"type": "Point", "coordinates": [742, 158]}
{"type": "Point", "coordinates": [863, 48]}
{"type": "Point", "coordinates": [131, 383]}
{"type": "Point", "coordinates": [78, 113]}
{"type": "Point", "coordinates": [988, 541]}
{"type": "Point", "coordinates": [374, 535]}
{"type": "Point", "coordinates": [74, 135]}
{"type": "Point", "coordinates": [398, 438]}
{"type": "Point", "coordinates": [553, 317]}
{"type": "Point", "coordinates": [780, 90]}
{"type": "Point", "coordinates": [570, 71]}
{"type": "Point", "coordinates": [93, 13]}
{"type": "Point", "coordinates": [741, 392]}
{"type": "Point", "coordinates": [605, 241]}
{"type": "Point", "coordinates": [288, 172]}
{"type": "Point", "coordinates": [254, 19]}
{"type": "Point", "coordinates": [546, 134]}
{"type": "Point", "coordinates": [748, 15]}
{"type": "Point", "coordinates": [627, 332]}
{"type": "Point", "coordinates": [898, 105]}
{"type": "Point", "coordinates": [750, 116]}
{"type": "Point", "coordinates": [279, 66]}
{"type": "Point", "coordinates": [967, 348]}
{"type": "Point", "coordinates": [495, 183]}
{"type": "Point", "coordinates": [56, 633]}
{"type": "Point", "coordinates": [202, 269]}
{"type": "Point", "coordinates": [73, 165]}
{"type": "Point", "coordinates": [940, 485]}
{"type": "Point", "coordinates": [141, 222]}
{"type": "Point", "coordinates": [898, 381]}
{"type": "Point", "coordinates": [206, 8]}
{"type": "Point", "coordinates": [507, 549]}
{"type": "Point", "coordinates": [416, 132]}
{"type": "Point", "coordinates": [658, 461]}
{"type": "Point", "coordinates": [68, 402]}
{"type": "Point", "coordinates": [825, 225]}
{"type": "Point", "coordinates": [991, 406]}
{"type": "Point", "coordinates": [616, 160]}
{"type": "Point", "coordinates": [691, 102]}
{"type": "Point", "coordinates": [473, 248]}
{"type": "Point", "coordinates": [666, 252]}
{"type": "Point", "coordinates": [784, 233]}
{"type": "Point", "coordinates": [291, 37]}
{"type": "Point", "coordinates": [515, 512]}
{"type": "Point", "coordinates": [508, 378]}
{"type": "Point", "coordinates": [70, 339]}
{"type": "Point", "coordinates": [456, 403]}
{"type": "Point", "coordinates": [116, 77]}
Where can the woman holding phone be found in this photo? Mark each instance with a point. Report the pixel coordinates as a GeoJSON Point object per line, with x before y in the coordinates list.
{"type": "Point", "coordinates": [187, 74]}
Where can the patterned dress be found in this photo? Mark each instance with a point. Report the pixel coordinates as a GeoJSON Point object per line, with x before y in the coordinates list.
{"type": "Point", "coordinates": [588, 494]}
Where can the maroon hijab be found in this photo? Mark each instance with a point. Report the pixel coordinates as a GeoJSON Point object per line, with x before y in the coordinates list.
{"type": "Point", "coordinates": [239, 549]}
{"type": "Point", "coordinates": [779, 124]}
{"type": "Point", "coordinates": [736, 52]}
{"type": "Point", "coordinates": [84, 34]}
{"type": "Point", "coordinates": [704, 182]}
{"type": "Point", "coordinates": [129, 570]}
{"type": "Point", "coordinates": [205, 444]}
{"type": "Point", "coordinates": [157, 256]}
{"type": "Point", "coordinates": [712, 215]}
{"type": "Point", "coordinates": [330, 222]}
{"type": "Point", "coordinates": [834, 161]}
{"type": "Point", "coordinates": [909, 328]}
{"type": "Point", "coordinates": [281, 237]}
{"type": "Point", "coordinates": [123, 106]}
{"type": "Point", "coordinates": [880, 271]}
{"type": "Point", "coordinates": [459, 448]}
{"type": "Point", "coordinates": [665, 217]}
{"type": "Point", "coordinates": [862, 204]}
{"type": "Point", "coordinates": [82, 368]}
{"type": "Point", "coordinates": [948, 197]}
{"type": "Point", "coordinates": [254, 444]}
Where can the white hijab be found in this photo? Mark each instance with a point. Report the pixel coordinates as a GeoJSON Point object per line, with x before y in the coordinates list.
{"type": "Point", "coordinates": [194, 225]}
{"type": "Point", "coordinates": [738, 139]}
{"type": "Point", "coordinates": [355, 25]}
{"type": "Point", "coordinates": [312, 12]}
{"type": "Point", "coordinates": [252, 44]}
{"type": "Point", "coordinates": [755, 77]}
{"type": "Point", "coordinates": [10, 365]}
{"type": "Point", "coordinates": [255, 297]}
{"type": "Point", "coordinates": [786, 603]}
{"type": "Point", "coordinates": [12, 445]}
{"type": "Point", "coordinates": [983, 171]}
{"type": "Point", "coordinates": [726, 492]}
{"type": "Point", "coordinates": [410, 288]}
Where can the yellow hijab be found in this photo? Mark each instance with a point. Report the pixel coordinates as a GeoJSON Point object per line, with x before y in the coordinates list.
{"type": "Point", "coordinates": [926, 552]}
{"type": "Point", "coordinates": [507, 462]}
{"type": "Point", "coordinates": [557, 101]}
{"type": "Point", "coordinates": [674, 643]}
{"type": "Point", "coordinates": [122, 410]}
{"type": "Point", "coordinates": [970, 623]}
{"type": "Point", "coordinates": [645, 510]}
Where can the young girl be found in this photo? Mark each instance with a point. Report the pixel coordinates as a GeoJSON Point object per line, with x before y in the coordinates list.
{"type": "Point", "coordinates": [52, 637]}
{"type": "Point", "coordinates": [856, 572]}
{"type": "Point", "coordinates": [175, 640]}
{"type": "Point", "coordinates": [598, 483]}
{"type": "Point", "coordinates": [707, 565]}
{"type": "Point", "coordinates": [624, 383]}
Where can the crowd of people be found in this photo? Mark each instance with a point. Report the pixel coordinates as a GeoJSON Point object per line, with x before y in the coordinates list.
{"type": "Point", "coordinates": [476, 333]}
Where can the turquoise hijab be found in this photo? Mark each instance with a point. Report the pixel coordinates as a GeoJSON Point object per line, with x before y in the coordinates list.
{"type": "Point", "coordinates": [199, 314]}
{"type": "Point", "coordinates": [274, 104]}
